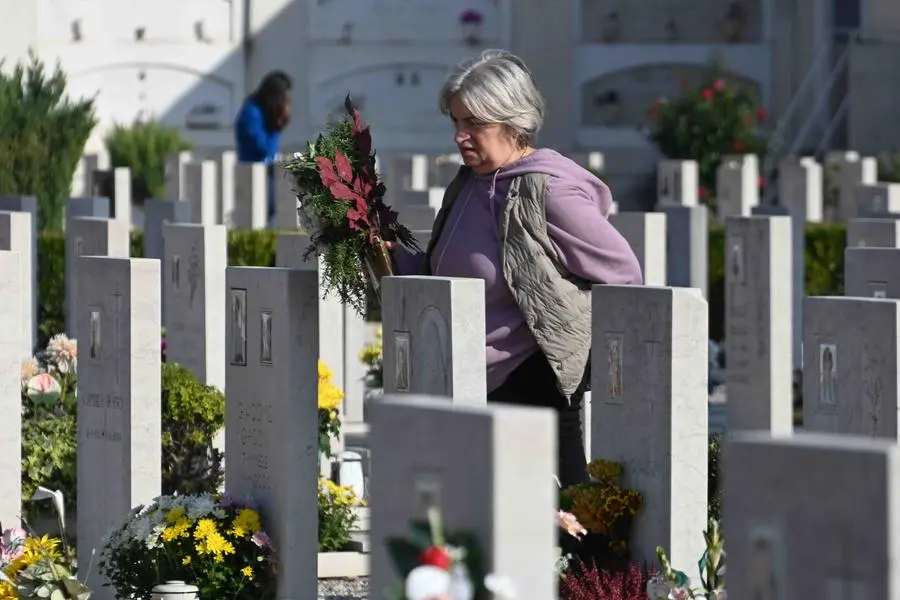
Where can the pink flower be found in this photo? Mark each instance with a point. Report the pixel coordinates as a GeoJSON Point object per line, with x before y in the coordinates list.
{"type": "Point", "coordinates": [43, 388]}
{"type": "Point", "coordinates": [719, 85]}
{"type": "Point", "coordinates": [12, 545]}
{"type": "Point", "coordinates": [261, 540]}
{"type": "Point", "coordinates": [569, 523]}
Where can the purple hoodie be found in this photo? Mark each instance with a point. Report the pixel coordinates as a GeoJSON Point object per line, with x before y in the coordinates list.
{"type": "Point", "coordinates": [577, 204]}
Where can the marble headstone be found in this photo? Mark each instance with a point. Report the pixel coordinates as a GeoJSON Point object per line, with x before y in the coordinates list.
{"type": "Point", "coordinates": [16, 236]}
{"type": "Point", "coordinates": [872, 272]}
{"type": "Point", "coordinates": [646, 234]}
{"type": "Point", "coordinates": [875, 233]}
{"type": "Point", "coordinates": [201, 190]}
{"type": "Point", "coordinates": [434, 337]}
{"type": "Point", "coordinates": [11, 294]}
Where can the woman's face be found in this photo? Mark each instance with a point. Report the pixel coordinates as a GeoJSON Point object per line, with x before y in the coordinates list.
{"type": "Point", "coordinates": [485, 147]}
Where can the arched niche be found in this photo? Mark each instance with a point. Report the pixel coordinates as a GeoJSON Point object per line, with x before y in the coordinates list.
{"type": "Point", "coordinates": [672, 21]}
{"type": "Point", "coordinates": [429, 21]}
{"type": "Point", "coordinates": [623, 98]}
{"type": "Point", "coordinates": [174, 94]}
{"type": "Point", "coordinates": [399, 97]}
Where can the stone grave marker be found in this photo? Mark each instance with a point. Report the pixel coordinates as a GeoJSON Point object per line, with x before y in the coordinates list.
{"type": "Point", "coordinates": [649, 371]}
{"type": "Point", "coordinates": [90, 237]}
{"type": "Point", "coordinates": [289, 250]}
{"type": "Point", "coordinates": [646, 234]}
{"type": "Point", "coordinates": [250, 196]}
{"type": "Point", "coordinates": [196, 257]}
{"type": "Point", "coordinates": [226, 163]}
{"type": "Point", "coordinates": [430, 199]}
{"type": "Point", "coordinates": [271, 416]}
{"type": "Point", "coordinates": [737, 186]}
{"type": "Point", "coordinates": [874, 200]}
{"type": "Point", "coordinates": [677, 182]}
{"type": "Point", "coordinates": [850, 366]}
{"type": "Point", "coordinates": [175, 164]}
{"type": "Point", "coordinates": [87, 166]}
{"type": "Point", "coordinates": [875, 233]}
{"type": "Point", "coordinates": [285, 200]}
{"type": "Point", "coordinates": [200, 181]}
{"type": "Point", "coordinates": [843, 172]}
{"type": "Point", "coordinates": [416, 217]}
{"type": "Point", "coordinates": [794, 535]}
{"type": "Point", "coordinates": [800, 183]}
{"type": "Point", "coordinates": [27, 204]}
{"type": "Point", "coordinates": [471, 463]}
{"type": "Point", "coordinates": [11, 294]}
{"type": "Point", "coordinates": [16, 236]}
{"type": "Point", "coordinates": [156, 214]}
{"type": "Point", "coordinates": [872, 272]}
{"type": "Point", "coordinates": [758, 324]}
{"type": "Point", "coordinates": [433, 331]}
{"type": "Point", "coordinates": [119, 396]}
{"type": "Point", "coordinates": [114, 185]}
{"type": "Point", "coordinates": [687, 246]}
{"type": "Point", "coordinates": [93, 207]}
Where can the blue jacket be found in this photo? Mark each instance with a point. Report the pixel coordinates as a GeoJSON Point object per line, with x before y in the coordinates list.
{"type": "Point", "coordinates": [253, 141]}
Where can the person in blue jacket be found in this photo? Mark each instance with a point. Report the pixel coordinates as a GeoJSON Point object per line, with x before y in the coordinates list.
{"type": "Point", "coordinates": [258, 126]}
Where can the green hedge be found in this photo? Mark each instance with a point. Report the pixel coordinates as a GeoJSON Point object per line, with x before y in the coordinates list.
{"type": "Point", "coordinates": [824, 269]}
{"type": "Point", "coordinates": [245, 249]}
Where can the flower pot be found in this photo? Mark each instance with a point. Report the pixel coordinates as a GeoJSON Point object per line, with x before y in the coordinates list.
{"type": "Point", "coordinates": [378, 264]}
{"type": "Point", "coordinates": [175, 590]}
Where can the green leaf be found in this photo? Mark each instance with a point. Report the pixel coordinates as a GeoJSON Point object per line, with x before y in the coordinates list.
{"type": "Point", "coordinates": [404, 555]}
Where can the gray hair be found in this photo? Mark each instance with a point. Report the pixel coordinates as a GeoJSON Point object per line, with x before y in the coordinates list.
{"type": "Point", "coordinates": [496, 87]}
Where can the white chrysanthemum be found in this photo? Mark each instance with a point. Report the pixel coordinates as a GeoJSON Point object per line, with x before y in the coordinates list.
{"type": "Point", "coordinates": [62, 353]}
{"type": "Point", "coordinates": [200, 506]}
{"type": "Point", "coordinates": [426, 582]}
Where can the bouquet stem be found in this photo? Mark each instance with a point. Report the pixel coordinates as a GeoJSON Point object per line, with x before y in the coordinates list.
{"type": "Point", "coordinates": [378, 264]}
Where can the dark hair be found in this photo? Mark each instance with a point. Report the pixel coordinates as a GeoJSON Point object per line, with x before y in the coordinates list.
{"type": "Point", "coordinates": [270, 95]}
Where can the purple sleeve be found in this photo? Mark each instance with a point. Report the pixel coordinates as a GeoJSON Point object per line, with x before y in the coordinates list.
{"type": "Point", "coordinates": [408, 263]}
{"type": "Point", "coordinates": [588, 244]}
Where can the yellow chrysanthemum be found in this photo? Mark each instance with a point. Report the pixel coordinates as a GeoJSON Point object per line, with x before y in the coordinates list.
{"type": "Point", "coordinates": [7, 592]}
{"type": "Point", "coordinates": [248, 521]}
{"type": "Point", "coordinates": [186, 560]}
{"type": "Point", "coordinates": [205, 528]}
{"type": "Point", "coordinates": [247, 572]}
{"type": "Point", "coordinates": [174, 515]}
{"type": "Point", "coordinates": [177, 530]}
{"type": "Point", "coordinates": [330, 395]}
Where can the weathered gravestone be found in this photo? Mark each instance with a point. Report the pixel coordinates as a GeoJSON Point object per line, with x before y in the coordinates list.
{"type": "Point", "coordinates": [843, 172]}
{"type": "Point", "coordinates": [649, 412]}
{"type": "Point", "coordinates": [874, 233]}
{"type": "Point", "coordinates": [759, 324]}
{"type": "Point", "coordinates": [289, 250]}
{"type": "Point", "coordinates": [800, 182]}
{"type": "Point", "coordinates": [175, 164]}
{"type": "Point", "coordinates": [285, 199]}
{"type": "Point", "coordinates": [850, 366]}
{"type": "Point", "coordinates": [27, 204]}
{"type": "Point", "coordinates": [196, 257]}
{"type": "Point", "coordinates": [677, 182]}
{"type": "Point", "coordinates": [226, 162]}
{"type": "Point", "coordinates": [11, 294]}
{"type": "Point", "coordinates": [119, 397]}
{"type": "Point", "coordinates": [876, 200]}
{"type": "Point", "coordinates": [488, 469]}
{"type": "Point", "coordinates": [95, 207]}
{"type": "Point", "coordinates": [433, 330]}
{"type": "Point", "coordinates": [737, 186]}
{"type": "Point", "coordinates": [416, 217]}
{"type": "Point", "coordinates": [201, 184]}
{"type": "Point", "coordinates": [646, 234]}
{"type": "Point", "coordinates": [156, 214]}
{"type": "Point", "coordinates": [251, 204]}
{"type": "Point", "coordinates": [16, 236]}
{"type": "Point", "coordinates": [271, 416]}
{"type": "Point", "coordinates": [687, 246]}
{"type": "Point", "coordinates": [115, 185]}
{"type": "Point", "coordinates": [794, 534]}
{"type": "Point", "coordinates": [872, 272]}
{"type": "Point", "coordinates": [90, 237]}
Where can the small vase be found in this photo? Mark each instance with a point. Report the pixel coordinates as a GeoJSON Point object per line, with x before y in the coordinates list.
{"type": "Point", "coordinates": [175, 590]}
{"type": "Point", "coordinates": [378, 264]}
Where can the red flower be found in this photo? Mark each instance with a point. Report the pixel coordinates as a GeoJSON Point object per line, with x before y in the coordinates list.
{"type": "Point", "coordinates": [707, 94]}
{"type": "Point", "coordinates": [738, 146]}
{"type": "Point", "coordinates": [747, 119]}
{"type": "Point", "coordinates": [436, 557]}
{"type": "Point", "coordinates": [761, 182]}
{"type": "Point", "coordinates": [761, 114]}
{"type": "Point", "coordinates": [703, 191]}
{"type": "Point", "coordinates": [719, 85]}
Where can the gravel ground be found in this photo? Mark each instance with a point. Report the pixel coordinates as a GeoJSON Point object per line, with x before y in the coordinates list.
{"type": "Point", "coordinates": [344, 589]}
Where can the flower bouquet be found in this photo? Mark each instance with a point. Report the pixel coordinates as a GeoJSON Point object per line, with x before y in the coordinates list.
{"type": "Point", "coordinates": [436, 566]}
{"type": "Point", "coordinates": [214, 542]}
{"type": "Point", "coordinates": [341, 204]}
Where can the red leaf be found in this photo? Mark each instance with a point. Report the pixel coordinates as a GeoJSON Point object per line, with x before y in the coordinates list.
{"type": "Point", "coordinates": [357, 126]}
{"type": "Point", "coordinates": [362, 187]}
{"type": "Point", "coordinates": [326, 171]}
{"type": "Point", "coordinates": [342, 192]}
{"type": "Point", "coordinates": [364, 141]}
{"type": "Point", "coordinates": [343, 167]}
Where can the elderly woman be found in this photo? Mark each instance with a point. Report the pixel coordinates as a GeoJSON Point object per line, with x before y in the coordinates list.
{"type": "Point", "coordinates": [532, 224]}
